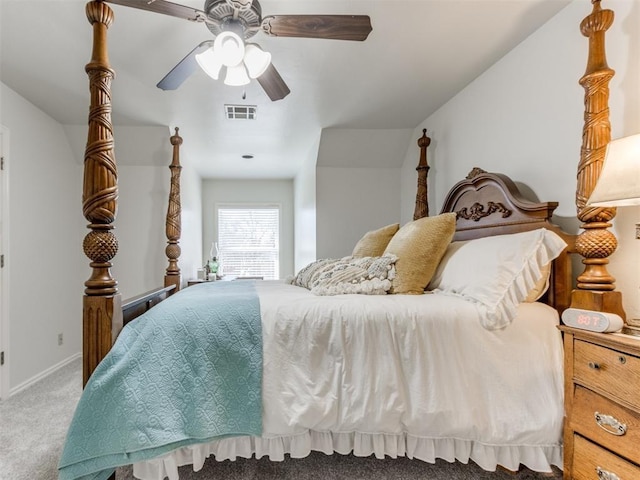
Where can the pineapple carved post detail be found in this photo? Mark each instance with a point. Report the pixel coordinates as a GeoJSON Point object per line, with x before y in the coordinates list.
{"type": "Point", "coordinates": [102, 312]}
{"type": "Point", "coordinates": [595, 286]}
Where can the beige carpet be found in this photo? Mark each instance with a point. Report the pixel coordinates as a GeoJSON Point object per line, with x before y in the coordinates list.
{"type": "Point", "coordinates": [33, 425]}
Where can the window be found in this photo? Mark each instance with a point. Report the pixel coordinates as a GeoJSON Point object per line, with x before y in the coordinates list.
{"type": "Point", "coordinates": [249, 240]}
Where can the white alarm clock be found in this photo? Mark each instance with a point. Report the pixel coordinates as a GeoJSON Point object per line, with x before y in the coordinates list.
{"type": "Point", "coordinates": [591, 320]}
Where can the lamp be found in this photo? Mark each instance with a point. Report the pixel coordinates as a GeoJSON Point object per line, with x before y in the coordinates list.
{"type": "Point", "coordinates": [256, 60]}
{"type": "Point", "coordinates": [230, 47]}
{"type": "Point", "coordinates": [619, 181]}
{"type": "Point", "coordinates": [210, 63]}
{"type": "Point", "coordinates": [236, 76]}
{"type": "Point", "coordinates": [228, 50]}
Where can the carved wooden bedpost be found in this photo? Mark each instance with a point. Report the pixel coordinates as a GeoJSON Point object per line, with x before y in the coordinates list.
{"type": "Point", "coordinates": [102, 314]}
{"type": "Point", "coordinates": [596, 243]}
{"type": "Point", "coordinates": [422, 200]}
{"type": "Point", "coordinates": [173, 224]}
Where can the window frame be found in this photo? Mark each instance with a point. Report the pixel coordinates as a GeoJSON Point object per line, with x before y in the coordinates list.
{"type": "Point", "coordinates": [250, 206]}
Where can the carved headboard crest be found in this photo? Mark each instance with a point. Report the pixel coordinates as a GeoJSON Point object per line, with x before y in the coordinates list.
{"type": "Point", "coordinates": [477, 211]}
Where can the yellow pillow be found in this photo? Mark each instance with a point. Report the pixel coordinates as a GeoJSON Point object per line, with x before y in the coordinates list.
{"type": "Point", "coordinates": [419, 246]}
{"type": "Point", "coordinates": [373, 243]}
{"type": "Point", "coordinates": [541, 285]}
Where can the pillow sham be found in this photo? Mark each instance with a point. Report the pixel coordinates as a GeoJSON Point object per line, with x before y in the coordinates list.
{"type": "Point", "coordinates": [361, 275]}
{"type": "Point", "coordinates": [419, 246]}
{"type": "Point", "coordinates": [373, 243]}
{"type": "Point", "coordinates": [497, 272]}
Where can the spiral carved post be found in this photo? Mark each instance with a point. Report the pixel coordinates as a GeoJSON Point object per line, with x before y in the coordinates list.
{"type": "Point", "coordinates": [422, 201]}
{"type": "Point", "coordinates": [173, 223]}
{"type": "Point", "coordinates": [595, 286]}
{"type": "Point", "coordinates": [102, 311]}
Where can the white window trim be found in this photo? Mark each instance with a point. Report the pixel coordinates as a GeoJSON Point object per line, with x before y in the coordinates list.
{"type": "Point", "coordinates": [250, 205]}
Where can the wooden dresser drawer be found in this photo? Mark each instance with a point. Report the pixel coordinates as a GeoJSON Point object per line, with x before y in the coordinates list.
{"type": "Point", "coordinates": [583, 420]}
{"type": "Point", "coordinates": [614, 374]}
{"type": "Point", "coordinates": [589, 458]}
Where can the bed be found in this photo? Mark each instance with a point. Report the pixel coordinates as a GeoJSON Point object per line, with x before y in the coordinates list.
{"type": "Point", "coordinates": [390, 375]}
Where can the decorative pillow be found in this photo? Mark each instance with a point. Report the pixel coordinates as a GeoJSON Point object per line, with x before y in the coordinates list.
{"type": "Point", "coordinates": [541, 285]}
{"type": "Point", "coordinates": [497, 272]}
{"type": "Point", "coordinates": [305, 276]}
{"type": "Point", "coordinates": [373, 243]}
{"type": "Point", "coordinates": [419, 246]}
{"type": "Point", "coordinates": [365, 275]}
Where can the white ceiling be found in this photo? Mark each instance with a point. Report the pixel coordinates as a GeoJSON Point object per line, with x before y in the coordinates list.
{"type": "Point", "coordinates": [419, 54]}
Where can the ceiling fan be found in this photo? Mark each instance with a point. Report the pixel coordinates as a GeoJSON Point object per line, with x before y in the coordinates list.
{"type": "Point", "coordinates": [232, 22]}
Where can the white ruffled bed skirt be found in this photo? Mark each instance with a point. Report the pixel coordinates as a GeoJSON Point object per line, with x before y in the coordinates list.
{"type": "Point", "coordinates": [488, 457]}
{"type": "Point", "coordinates": [416, 376]}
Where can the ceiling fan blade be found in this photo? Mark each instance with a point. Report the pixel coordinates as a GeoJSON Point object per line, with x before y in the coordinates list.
{"type": "Point", "coordinates": [273, 84]}
{"type": "Point", "coordinates": [337, 27]}
{"type": "Point", "coordinates": [167, 8]}
{"type": "Point", "coordinates": [184, 69]}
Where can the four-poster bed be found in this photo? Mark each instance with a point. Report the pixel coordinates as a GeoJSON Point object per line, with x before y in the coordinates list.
{"type": "Point", "coordinates": [486, 205]}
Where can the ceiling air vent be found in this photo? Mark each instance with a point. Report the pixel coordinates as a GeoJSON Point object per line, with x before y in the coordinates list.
{"type": "Point", "coordinates": [245, 112]}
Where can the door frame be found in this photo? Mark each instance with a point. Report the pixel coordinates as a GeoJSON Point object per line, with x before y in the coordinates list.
{"type": "Point", "coordinates": [4, 272]}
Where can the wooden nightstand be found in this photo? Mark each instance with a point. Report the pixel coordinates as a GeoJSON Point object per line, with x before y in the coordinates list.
{"type": "Point", "coordinates": [602, 405]}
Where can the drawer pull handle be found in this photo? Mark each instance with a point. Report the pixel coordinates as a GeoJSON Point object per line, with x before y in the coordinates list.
{"type": "Point", "coordinates": [610, 424]}
{"type": "Point", "coordinates": [594, 366]}
{"type": "Point", "coordinates": [622, 360]}
{"type": "Point", "coordinates": [606, 475]}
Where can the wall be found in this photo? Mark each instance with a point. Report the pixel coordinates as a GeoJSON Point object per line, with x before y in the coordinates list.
{"type": "Point", "coordinates": [45, 225]}
{"type": "Point", "coordinates": [350, 202]}
{"type": "Point", "coordinates": [358, 185]}
{"type": "Point", "coordinates": [140, 263]}
{"type": "Point", "coordinates": [46, 228]}
{"type": "Point", "coordinates": [304, 200]}
{"type": "Point", "coordinates": [252, 192]}
{"type": "Point", "coordinates": [524, 117]}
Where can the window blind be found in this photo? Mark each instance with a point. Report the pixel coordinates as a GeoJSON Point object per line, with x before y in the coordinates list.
{"type": "Point", "coordinates": [249, 241]}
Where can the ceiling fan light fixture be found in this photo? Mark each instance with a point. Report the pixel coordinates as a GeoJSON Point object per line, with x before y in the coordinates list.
{"type": "Point", "coordinates": [236, 76]}
{"type": "Point", "coordinates": [230, 48]}
{"type": "Point", "coordinates": [256, 60]}
{"type": "Point", "coordinates": [210, 63]}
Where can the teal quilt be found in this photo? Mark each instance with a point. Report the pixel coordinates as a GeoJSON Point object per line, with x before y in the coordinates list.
{"type": "Point", "coordinates": [187, 371]}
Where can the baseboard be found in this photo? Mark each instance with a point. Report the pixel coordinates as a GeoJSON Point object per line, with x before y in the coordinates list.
{"type": "Point", "coordinates": [43, 374]}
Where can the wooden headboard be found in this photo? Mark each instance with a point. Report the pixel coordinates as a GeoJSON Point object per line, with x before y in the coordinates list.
{"type": "Point", "coordinates": [489, 204]}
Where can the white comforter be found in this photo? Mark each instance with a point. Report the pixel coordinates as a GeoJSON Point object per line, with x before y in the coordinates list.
{"type": "Point", "coordinates": [399, 375]}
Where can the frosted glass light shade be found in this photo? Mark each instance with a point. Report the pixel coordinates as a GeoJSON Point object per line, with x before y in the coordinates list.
{"type": "Point", "coordinates": [256, 60]}
{"type": "Point", "coordinates": [236, 76]}
{"type": "Point", "coordinates": [230, 47]}
{"type": "Point", "coordinates": [210, 63]}
{"type": "Point", "coordinates": [619, 181]}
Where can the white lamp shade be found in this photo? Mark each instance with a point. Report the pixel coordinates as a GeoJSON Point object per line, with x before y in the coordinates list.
{"type": "Point", "coordinates": [619, 181]}
{"type": "Point", "coordinates": [230, 48]}
{"type": "Point", "coordinates": [236, 76]}
{"type": "Point", "coordinates": [210, 63]}
{"type": "Point", "coordinates": [256, 60]}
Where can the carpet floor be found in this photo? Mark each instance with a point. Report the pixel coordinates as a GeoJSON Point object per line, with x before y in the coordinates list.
{"type": "Point", "coordinates": [34, 422]}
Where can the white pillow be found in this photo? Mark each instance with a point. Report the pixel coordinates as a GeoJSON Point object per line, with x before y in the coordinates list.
{"type": "Point", "coordinates": [497, 272]}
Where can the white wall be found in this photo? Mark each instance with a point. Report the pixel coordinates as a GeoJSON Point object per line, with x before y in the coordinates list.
{"type": "Point", "coordinates": [141, 262]}
{"type": "Point", "coordinates": [350, 202]}
{"type": "Point", "coordinates": [191, 240]}
{"type": "Point", "coordinates": [279, 192]}
{"type": "Point", "coordinates": [524, 117]}
{"type": "Point", "coordinates": [357, 185]}
{"type": "Point", "coordinates": [46, 228]}
{"type": "Point", "coordinates": [304, 200]}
